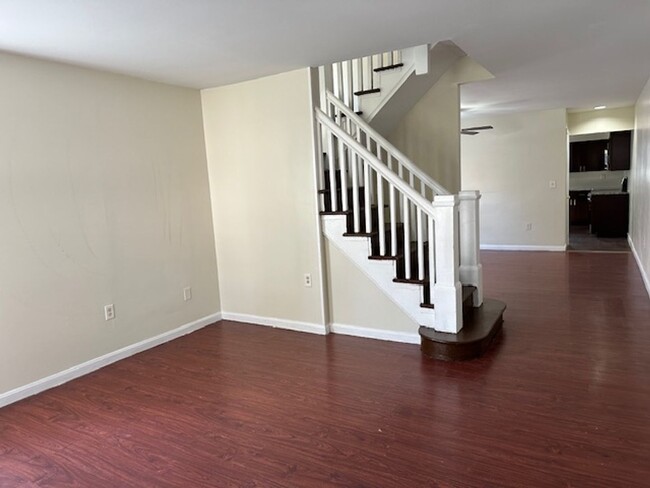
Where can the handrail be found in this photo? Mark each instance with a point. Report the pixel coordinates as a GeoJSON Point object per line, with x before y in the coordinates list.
{"type": "Point", "coordinates": [376, 164]}
{"type": "Point", "coordinates": [410, 166]}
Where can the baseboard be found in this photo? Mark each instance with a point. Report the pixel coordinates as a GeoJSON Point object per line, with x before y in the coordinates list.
{"type": "Point", "coordinates": [517, 247]}
{"type": "Point", "coordinates": [276, 323]}
{"type": "Point", "coordinates": [94, 364]}
{"type": "Point", "coordinates": [644, 275]}
{"type": "Point", "coordinates": [383, 335]}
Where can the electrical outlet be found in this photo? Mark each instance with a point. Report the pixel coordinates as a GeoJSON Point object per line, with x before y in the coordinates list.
{"type": "Point", "coordinates": [308, 280]}
{"type": "Point", "coordinates": [187, 293]}
{"type": "Point", "coordinates": [109, 312]}
{"type": "Point", "coordinates": [529, 226]}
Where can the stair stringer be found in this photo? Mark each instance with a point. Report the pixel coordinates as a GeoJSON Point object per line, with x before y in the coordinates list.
{"type": "Point", "coordinates": [381, 272]}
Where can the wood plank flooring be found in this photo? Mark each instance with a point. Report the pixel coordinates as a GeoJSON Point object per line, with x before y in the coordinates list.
{"type": "Point", "coordinates": [563, 400]}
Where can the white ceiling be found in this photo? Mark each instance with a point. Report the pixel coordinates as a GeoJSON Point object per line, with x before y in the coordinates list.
{"type": "Point", "coordinates": [544, 53]}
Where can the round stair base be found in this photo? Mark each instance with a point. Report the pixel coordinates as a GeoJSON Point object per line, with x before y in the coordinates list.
{"type": "Point", "coordinates": [481, 327]}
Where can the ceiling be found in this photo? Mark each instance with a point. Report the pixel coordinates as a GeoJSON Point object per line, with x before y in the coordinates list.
{"type": "Point", "coordinates": [544, 54]}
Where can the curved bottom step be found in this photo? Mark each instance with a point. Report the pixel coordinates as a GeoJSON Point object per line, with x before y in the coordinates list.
{"type": "Point", "coordinates": [482, 326]}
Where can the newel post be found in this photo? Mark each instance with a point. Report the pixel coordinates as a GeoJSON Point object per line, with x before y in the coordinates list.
{"type": "Point", "coordinates": [471, 270]}
{"type": "Point", "coordinates": [447, 291]}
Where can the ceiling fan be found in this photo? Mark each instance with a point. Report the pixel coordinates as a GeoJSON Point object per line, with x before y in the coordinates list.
{"type": "Point", "coordinates": [472, 131]}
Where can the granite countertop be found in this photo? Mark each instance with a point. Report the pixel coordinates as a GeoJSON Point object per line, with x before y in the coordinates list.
{"type": "Point", "coordinates": [608, 192]}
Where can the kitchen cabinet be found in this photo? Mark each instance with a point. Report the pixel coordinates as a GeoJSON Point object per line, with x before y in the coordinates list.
{"type": "Point", "coordinates": [579, 212]}
{"type": "Point", "coordinates": [610, 213]}
{"type": "Point", "coordinates": [620, 150]}
{"type": "Point", "coordinates": [587, 155]}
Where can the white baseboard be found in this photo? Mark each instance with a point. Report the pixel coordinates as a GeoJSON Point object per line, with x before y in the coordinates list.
{"type": "Point", "coordinates": [517, 247]}
{"type": "Point", "coordinates": [276, 323]}
{"type": "Point", "coordinates": [383, 335]}
{"type": "Point", "coordinates": [644, 275]}
{"type": "Point", "coordinates": [94, 364]}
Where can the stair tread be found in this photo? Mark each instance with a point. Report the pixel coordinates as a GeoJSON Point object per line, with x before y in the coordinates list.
{"type": "Point", "coordinates": [373, 233]}
{"type": "Point", "coordinates": [389, 67]}
{"type": "Point", "coordinates": [411, 281]}
{"type": "Point", "coordinates": [367, 92]}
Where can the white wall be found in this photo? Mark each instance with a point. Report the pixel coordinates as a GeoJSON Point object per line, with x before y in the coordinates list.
{"type": "Point", "coordinates": [512, 165]}
{"type": "Point", "coordinates": [607, 120]}
{"type": "Point", "coordinates": [429, 134]}
{"type": "Point", "coordinates": [260, 160]}
{"type": "Point", "coordinates": [103, 199]}
{"type": "Point", "coordinates": [640, 186]}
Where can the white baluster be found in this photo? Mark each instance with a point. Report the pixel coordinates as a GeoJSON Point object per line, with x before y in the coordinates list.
{"type": "Point", "coordinates": [358, 83]}
{"type": "Point", "coordinates": [471, 270]}
{"type": "Point", "coordinates": [344, 177]}
{"type": "Point", "coordinates": [432, 259]}
{"type": "Point", "coordinates": [355, 194]}
{"type": "Point", "coordinates": [336, 78]}
{"type": "Point", "coordinates": [380, 211]}
{"type": "Point", "coordinates": [347, 83]}
{"type": "Point", "coordinates": [332, 172]}
{"type": "Point", "coordinates": [393, 221]}
{"type": "Point", "coordinates": [420, 243]}
{"type": "Point", "coordinates": [407, 236]}
{"type": "Point", "coordinates": [448, 289]}
{"type": "Point", "coordinates": [366, 195]}
{"type": "Point", "coordinates": [412, 183]}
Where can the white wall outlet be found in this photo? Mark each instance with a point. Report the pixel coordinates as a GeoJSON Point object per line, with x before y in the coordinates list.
{"type": "Point", "coordinates": [187, 293]}
{"type": "Point", "coordinates": [308, 280]}
{"type": "Point", "coordinates": [552, 184]}
{"type": "Point", "coordinates": [109, 312]}
{"type": "Point", "coordinates": [529, 226]}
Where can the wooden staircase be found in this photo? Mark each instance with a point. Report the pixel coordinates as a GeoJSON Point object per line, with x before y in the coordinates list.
{"type": "Point", "coordinates": [482, 324]}
{"type": "Point", "coordinates": [417, 242]}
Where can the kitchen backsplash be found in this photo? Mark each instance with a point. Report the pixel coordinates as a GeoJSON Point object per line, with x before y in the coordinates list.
{"type": "Point", "coordinates": [597, 180]}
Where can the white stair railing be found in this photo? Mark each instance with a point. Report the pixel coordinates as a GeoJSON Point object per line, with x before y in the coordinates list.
{"type": "Point", "coordinates": [384, 150]}
{"type": "Point", "coordinates": [346, 78]}
{"type": "Point", "coordinates": [437, 219]}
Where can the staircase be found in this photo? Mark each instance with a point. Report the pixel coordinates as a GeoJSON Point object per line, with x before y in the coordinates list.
{"type": "Point", "coordinates": [417, 242]}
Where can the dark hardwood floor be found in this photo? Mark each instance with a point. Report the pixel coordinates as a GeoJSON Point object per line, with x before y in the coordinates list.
{"type": "Point", "coordinates": [563, 400]}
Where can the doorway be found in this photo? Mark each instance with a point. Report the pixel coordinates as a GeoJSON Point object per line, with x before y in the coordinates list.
{"type": "Point", "coordinates": [599, 201]}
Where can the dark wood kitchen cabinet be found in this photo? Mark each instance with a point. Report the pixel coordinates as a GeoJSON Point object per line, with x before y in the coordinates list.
{"type": "Point", "coordinates": [579, 213]}
{"type": "Point", "coordinates": [620, 150]}
{"type": "Point", "coordinates": [610, 213]}
{"type": "Point", "coordinates": [587, 155]}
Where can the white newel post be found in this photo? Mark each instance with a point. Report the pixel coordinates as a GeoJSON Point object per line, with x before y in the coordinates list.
{"type": "Point", "coordinates": [471, 270]}
{"type": "Point", "coordinates": [447, 291]}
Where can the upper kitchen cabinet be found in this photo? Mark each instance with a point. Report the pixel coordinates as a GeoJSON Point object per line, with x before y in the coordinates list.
{"type": "Point", "coordinates": [587, 155]}
{"type": "Point", "coordinates": [620, 149]}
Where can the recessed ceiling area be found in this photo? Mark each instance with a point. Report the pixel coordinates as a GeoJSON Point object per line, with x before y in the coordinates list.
{"type": "Point", "coordinates": [544, 55]}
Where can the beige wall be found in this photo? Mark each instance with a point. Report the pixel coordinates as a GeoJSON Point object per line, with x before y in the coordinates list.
{"type": "Point", "coordinates": [355, 300]}
{"type": "Point", "coordinates": [640, 185]}
{"type": "Point", "coordinates": [429, 133]}
{"type": "Point", "coordinates": [260, 160]}
{"type": "Point", "coordinates": [606, 120]}
{"type": "Point", "coordinates": [103, 199]}
{"type": "Point", "coordinates": [512, 166]}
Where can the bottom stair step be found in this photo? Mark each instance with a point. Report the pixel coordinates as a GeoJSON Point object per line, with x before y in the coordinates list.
{"type": "Point", "coordinates": [479, 331]}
